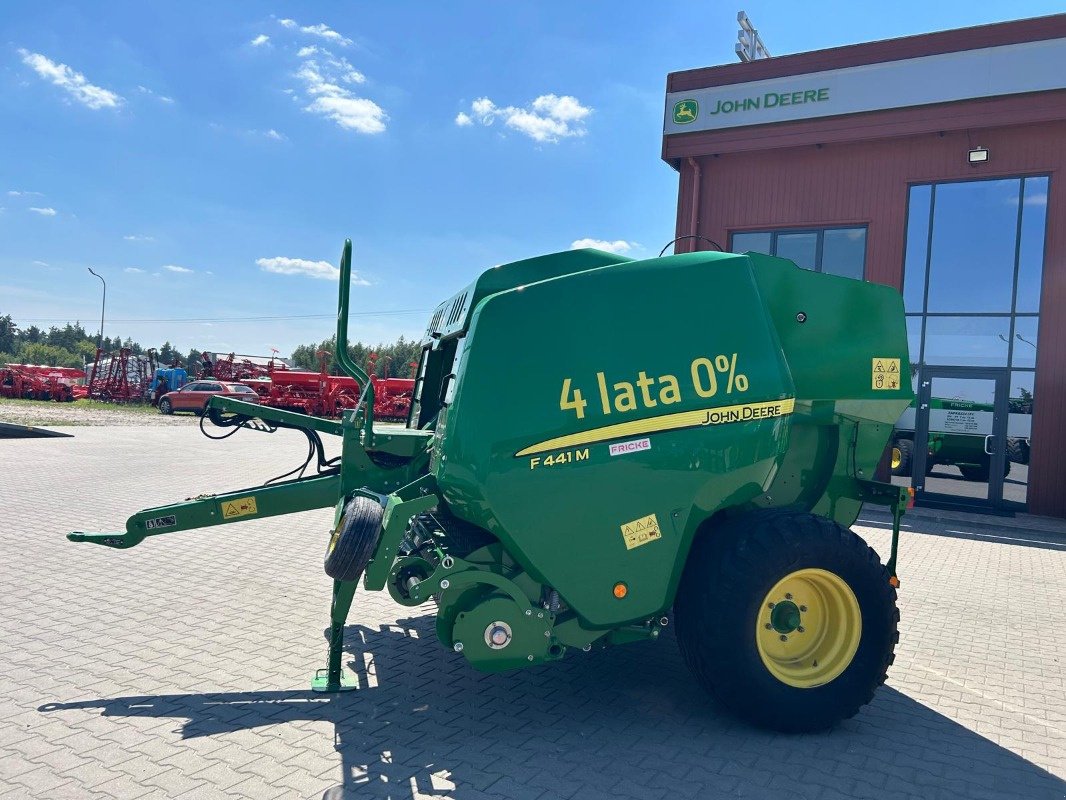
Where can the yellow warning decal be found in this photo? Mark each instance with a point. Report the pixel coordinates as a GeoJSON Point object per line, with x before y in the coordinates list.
{"type": "Point", "coordinates": [720, 415]}
{"type": "Point", "coordinates": [885, 373]}
{"type": "Point", "coordinates": [641, 531]}
{"type": "Point", "coordinates": [239, 507]}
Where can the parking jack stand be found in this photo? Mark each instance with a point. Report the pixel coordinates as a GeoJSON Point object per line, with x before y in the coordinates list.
{"type": "Point", "coordinates": [334, 678]}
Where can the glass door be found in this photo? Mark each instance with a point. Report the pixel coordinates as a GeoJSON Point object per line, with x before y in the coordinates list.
{"type": "Point", "coordinates": [960, 437]}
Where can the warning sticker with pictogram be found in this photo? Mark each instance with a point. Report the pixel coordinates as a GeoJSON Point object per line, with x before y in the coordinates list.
{"type": "Point", "coordinates": [885, 373]}
{"type": "Point", "coordinates": [641, 531]}
{"type": "Point", "coordinates": [239, 507]}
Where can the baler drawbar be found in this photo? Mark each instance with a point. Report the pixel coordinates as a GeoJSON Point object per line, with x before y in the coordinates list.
{"type": "Point", "coordinates": [685, 437]}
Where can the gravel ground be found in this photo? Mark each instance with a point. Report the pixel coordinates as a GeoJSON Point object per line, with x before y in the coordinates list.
{"type": "Point", "coordinates": [54, 415]}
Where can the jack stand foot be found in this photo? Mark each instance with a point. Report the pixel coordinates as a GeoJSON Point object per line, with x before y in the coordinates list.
{"type": "Point", "coordinates": [334, 678]}
{"type": "Point", "coordinates": [346, 682]}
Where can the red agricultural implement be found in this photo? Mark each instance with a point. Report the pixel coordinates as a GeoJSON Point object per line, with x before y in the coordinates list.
{"type": "Point", "coordinates": [38, 382]}
{"type": "Point", "coordinates": [121, 377]}
{"type": "Point", "coordinates": [235, 368]}
{"type": "Point", "coordinates": [317, 394]}
{"type": "Point", "coordinates": [392, 396]}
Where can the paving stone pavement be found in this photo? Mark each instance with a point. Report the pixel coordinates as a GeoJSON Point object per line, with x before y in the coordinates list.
{"type": "Point", "coordinates": [179, 669]}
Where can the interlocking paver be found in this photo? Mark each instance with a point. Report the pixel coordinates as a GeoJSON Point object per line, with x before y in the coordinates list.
{"type": "Point", "coordinates": [179, 669]}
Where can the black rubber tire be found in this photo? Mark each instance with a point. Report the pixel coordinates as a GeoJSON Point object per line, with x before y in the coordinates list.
{"type": "Point", "coordinates": [165, 407]}
{"type": "Point", "coordinates": [906, 457]}
{"type": "Point", "coordinates": [1017, 451]}
{"type": "Point", "coordinates": [353, 542]}
{"type": "Point", "coordinates": [729, 571]}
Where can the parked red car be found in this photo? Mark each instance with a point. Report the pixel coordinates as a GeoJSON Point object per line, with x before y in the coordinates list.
{"type": "Point", "coordinates": [194, 396]}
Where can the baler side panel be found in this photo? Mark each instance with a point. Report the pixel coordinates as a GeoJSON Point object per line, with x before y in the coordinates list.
{"type": "Point", "coordinates": [526, 456]}
{"type": "Point", "coordinates": [836, 333]}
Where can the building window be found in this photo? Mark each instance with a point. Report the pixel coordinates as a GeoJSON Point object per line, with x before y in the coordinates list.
{"type": "Point", "coordinates": [973, 264]}
{"type": "Point", "coordinates": [972, 270]}
{"type": "Point", "coordinates": [838, 251]}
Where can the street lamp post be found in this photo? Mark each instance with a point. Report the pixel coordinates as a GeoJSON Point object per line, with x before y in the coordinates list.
{"type": "Point", "coordinates": [103, 303]}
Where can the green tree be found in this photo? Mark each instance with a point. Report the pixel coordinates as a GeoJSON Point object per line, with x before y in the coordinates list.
{"type": "Point", "coordinates": [49, 355]}
{"type": "Point", "coordinates": [8, 334]}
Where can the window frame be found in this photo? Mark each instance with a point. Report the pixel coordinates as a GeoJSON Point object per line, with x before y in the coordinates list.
{"type": "Point", "coordinates": [923, 314]}
{"type": "Point", "coordinates": [819, 245]}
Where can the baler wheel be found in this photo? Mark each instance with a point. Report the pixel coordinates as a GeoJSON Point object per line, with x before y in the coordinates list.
{"type": "Point", "coordinates": [353, 541]}
{"type": "Point", "coordinates": [787, 619]}
{"type": "Point", "coordinates": [902, 456]}
{"type": "Point", "coordinates": [165, 407]}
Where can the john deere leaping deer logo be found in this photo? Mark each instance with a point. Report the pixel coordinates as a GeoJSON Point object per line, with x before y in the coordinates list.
{"type": "Point", "coordinates": [685, 111]}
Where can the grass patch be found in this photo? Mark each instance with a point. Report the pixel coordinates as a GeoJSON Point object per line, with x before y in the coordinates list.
{"type": "Point", "coordinates": [139, 408]}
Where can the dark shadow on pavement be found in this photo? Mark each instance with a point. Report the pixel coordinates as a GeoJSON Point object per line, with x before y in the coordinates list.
{"type": "Point", "coordinates": [627, 722]}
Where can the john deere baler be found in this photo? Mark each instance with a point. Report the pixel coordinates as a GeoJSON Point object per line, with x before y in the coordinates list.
{"type": "Point", "coordinates": [598, 443]}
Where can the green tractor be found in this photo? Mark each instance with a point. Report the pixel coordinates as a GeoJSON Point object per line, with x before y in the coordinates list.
{"type": "Point", "coordinates": [967, 451]}
{"type": "Point", "coordinates": [598, 445]}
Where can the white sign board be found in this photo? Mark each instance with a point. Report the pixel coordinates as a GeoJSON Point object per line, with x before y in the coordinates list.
{"type": "Point", "coordinates": [942, 78]}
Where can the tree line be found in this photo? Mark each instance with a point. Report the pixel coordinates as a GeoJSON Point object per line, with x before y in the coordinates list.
{"type": "Point", "coordinates": [73, 346]}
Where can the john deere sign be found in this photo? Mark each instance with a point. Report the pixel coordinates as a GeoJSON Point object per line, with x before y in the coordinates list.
{"type": "Point", "coordinates": [686, 111]}
{"type": "Point", "coordinates": [770, 100]}
{"type": "Point", "coordinates": [944, 78]}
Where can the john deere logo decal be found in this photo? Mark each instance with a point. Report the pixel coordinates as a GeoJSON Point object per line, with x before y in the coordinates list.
{"type": "Point", "coordinates": [685, 111]}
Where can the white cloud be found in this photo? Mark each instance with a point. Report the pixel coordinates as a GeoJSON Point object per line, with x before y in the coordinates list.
{"type": "Point", "coordinates": [565, 108]}
{"type": "Point", "coordinates": [484, 109]}
{"type": "Point", "coordinates": [321, 30]}
{"type": "Point", "coordinates": [277, 137]}
{"type": "Point", "coordinates": [618, 246]}
{"type": "Point", "coordinates": [351, 113]}
{"type": "Point", "coordinates": [307, 52]}
{"type": "Point", "coordinates": [14, 193]}
{"type": "Point", "coordinates": [322, 86]}
{"type": "Point", "coordinates": [44, 212]}
{"type": "Point", "coordinates": [137, 237]}
{"type": "Point", "coordinates": [175, 268]}
{"type": "Point", "coordinates": [548, 118]}
{"type": "Point", "coordinates": [41, 263]}
{"type": "Point", "coordinates": [1036, 199]}
{"type": "Point", "coordinates": [301, 266]}
{"type": "Point", "coordinates": [134, 270]}
{"type": "Point", "coordinates": [71, 81]}
{"type": "Point", "coordinates": [162, 98]}
{"type": "Point", "coordinates": [261, 39]}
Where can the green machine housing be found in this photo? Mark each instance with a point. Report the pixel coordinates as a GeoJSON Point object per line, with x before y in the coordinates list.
{"type": "Point", "coordinates": [578, 420]}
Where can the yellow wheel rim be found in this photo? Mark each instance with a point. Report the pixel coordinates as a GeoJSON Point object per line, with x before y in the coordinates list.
{"type": "Point", "coordinates": [897, 458]}
{"type": "Point", "coordinates": [808, 628]}
{"type": "Point", "coordinates": [333, 539]}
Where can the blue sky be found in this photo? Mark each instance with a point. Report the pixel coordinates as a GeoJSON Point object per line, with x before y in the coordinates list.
{"type": "Point", "coordinates": [210, 158]}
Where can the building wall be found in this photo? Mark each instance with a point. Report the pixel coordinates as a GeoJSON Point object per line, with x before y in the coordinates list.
{"type": "Point", "coordinates": [866, 182]}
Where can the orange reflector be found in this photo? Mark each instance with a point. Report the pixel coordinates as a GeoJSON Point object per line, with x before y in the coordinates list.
{"type": "Point", "coordinates": [620, 590]}
{"type": "Point", "coordinates": [910, 491]}
{"type": "Point", "coordinates": [893, 582]}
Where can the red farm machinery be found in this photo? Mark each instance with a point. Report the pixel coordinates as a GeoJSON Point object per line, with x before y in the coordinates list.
{"type": "Point", "coordinates": [318, 394]}
{"type": "Point", "coordinates": [39, 382]}
{"type": "Point", "coordinates": [121, 377]}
